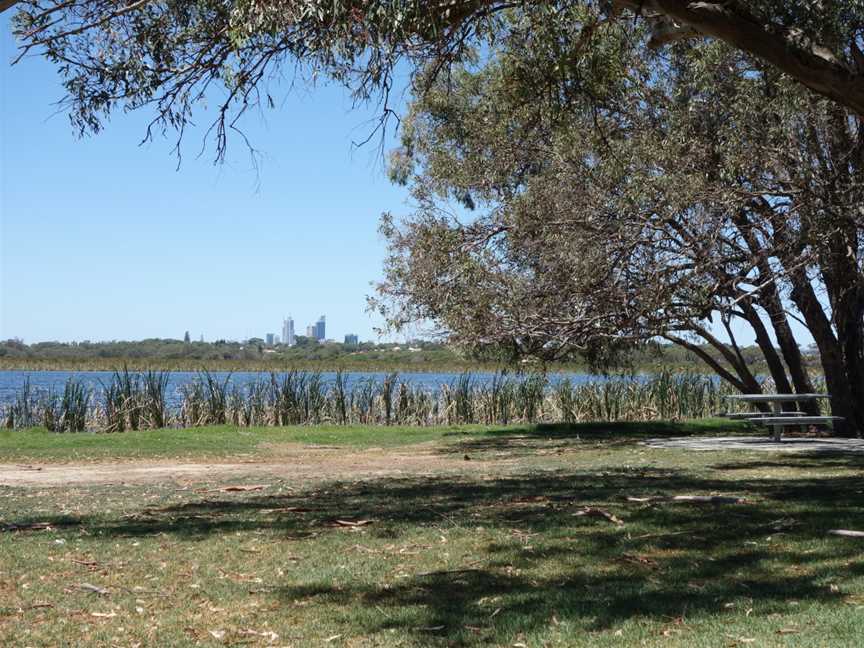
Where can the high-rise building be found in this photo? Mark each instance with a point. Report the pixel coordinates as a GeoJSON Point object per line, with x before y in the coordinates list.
{"type": "Point", "coordinates": [320, 329]}
{"type": "Point", "coordinates": [288, 332]}
{"type": "Point", "coordinates": [310, 332]}
{"type": "Point", "coordinates": [269, 339]}
{"type": "Point", "coordinates": [351, 340]}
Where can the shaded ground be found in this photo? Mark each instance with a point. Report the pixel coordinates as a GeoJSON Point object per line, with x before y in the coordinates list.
{"type": "Point", "coordinates": [489, 551]}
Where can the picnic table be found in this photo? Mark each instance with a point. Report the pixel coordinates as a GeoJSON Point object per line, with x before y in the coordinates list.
{"type": "Point", "coordinates": [779, 419]}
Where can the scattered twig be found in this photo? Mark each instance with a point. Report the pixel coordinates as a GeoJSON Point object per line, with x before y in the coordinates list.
{"type": "Point", "coordinates": [350, 523]}
{"type": "Point", "coordinates": [591, 511]}
{"type": "Point", "coordinates": [95, 589]}
{"type": "Point", "coordinates": [694, 499]}
{"type": "Point", "coordinates": [288, 509]}
{"type": "Point", "coordinates": [27, 526]}
{"type": "Point", "coordinates": [660, 535]}
{"type": "Point", "coordinates": [86, 563]}
{"type": "Point", "coordinates": [239, 489]}
{"type": "Point", "coordinates": [846, 533]}
{"type": "Point", "coordinates": [444, 572]}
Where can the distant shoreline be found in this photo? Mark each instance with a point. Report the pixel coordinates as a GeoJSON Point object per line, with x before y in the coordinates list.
{"type": "Point", "coordinates": [190, 365]}
{"type": "Point", "coordinates": [144, 364]}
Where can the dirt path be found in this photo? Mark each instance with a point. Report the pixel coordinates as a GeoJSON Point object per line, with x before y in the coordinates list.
{"type": "Point", "coordinates": [302, 462]}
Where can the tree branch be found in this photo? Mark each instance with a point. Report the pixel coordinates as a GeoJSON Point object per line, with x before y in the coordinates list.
{"type": "Point", "coordinates": [784, 47]}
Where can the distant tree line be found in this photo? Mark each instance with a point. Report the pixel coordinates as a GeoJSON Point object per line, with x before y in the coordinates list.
{"type": "Point", "coordinates": [421, 354]}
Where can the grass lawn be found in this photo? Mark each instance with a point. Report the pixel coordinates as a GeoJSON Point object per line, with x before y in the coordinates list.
{"type": "Point", "coordinates": [227, 441]}
{"type": "Point", "coordinates": [492, 551]}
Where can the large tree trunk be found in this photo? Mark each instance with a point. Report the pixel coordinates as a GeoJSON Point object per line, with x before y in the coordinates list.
{"type": "Point", "coordinates": [845, 400]}
{"type": "Point", "coordinates": [770, 301]}
{"type": "Point", "coordinates": [763, 341]}
{"type": "Point", "coordinates": [768, 298]}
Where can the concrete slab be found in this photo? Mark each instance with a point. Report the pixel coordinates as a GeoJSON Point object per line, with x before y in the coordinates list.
{"type": "Point", "coordinates": [761, 443]}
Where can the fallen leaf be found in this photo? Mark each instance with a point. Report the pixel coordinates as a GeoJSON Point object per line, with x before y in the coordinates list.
{"type": "Point", "coordinates": [267, 634]}
{"type": "Point", "coordinates": [217, 634]}
{"type": "Point", "coordinates": [352, 523]}
{"type": "Point", "coordinates": [591, 511]}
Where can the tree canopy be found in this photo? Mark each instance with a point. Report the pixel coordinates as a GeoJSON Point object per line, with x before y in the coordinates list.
{"type": "Point", "coordinates": [612, 204]}
{"type": "Point", "coordinates": [169, 56]}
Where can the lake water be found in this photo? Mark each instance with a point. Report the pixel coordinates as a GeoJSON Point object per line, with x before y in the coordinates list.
{"type": "Point", "coordinates": [11, 382]}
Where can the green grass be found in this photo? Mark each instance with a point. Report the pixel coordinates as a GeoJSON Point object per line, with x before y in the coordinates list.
{"type": "Point", "coordinates": [488, 555]}
{"type": "Point", "coordinates": [209, 442]}
{"type": "Point", "coordinates": [226, 440]}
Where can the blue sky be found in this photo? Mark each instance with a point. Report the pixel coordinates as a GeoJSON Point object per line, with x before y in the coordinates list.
{"type": "Point", "coordinates": [102, 239]}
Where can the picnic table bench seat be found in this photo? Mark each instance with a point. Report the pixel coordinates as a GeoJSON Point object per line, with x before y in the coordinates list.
{"type": "Point", "coordinates": [794, 420]}
{"type": "Point", "coordinates": [746, 416]}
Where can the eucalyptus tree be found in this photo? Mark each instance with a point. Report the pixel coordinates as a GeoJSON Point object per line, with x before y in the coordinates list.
{"type": "Point", "coordinates": [717, 189]}
{"type": "Point", "coordinates": [169, 55]}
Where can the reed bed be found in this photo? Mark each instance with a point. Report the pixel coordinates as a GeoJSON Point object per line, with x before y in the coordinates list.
{"type": "Point", "coordinates": [136, 400]}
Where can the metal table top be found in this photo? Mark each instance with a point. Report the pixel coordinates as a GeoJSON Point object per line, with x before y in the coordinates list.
{"type": "Point", "coordinates": [768, 398]}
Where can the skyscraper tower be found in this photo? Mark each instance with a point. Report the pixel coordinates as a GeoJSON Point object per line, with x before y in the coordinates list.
{"type": "Point", "coordinates": [288, 332]}
{"type": "Point", "coordinates": [320, 329]}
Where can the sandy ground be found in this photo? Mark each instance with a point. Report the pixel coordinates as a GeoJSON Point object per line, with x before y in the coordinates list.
{"type": "Point", "coordinates": [302, 462]}
{"type": "Point", "coordinates": [324, 462]}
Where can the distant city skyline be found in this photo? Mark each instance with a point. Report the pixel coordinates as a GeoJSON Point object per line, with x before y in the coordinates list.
{"type": "Point", "coordinates": [288, 336]}
{"type": "Point", "coordinates": [317, 331]}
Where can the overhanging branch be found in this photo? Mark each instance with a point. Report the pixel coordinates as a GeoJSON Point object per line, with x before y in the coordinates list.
{"type": "Point", "coordinates": [784, 47]}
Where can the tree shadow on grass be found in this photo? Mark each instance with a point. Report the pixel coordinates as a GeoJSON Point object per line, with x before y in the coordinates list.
{"type": "Point", "coordinates": [533, 559]}
{"type": "Point", "coordinates": [821, 460]}
{"type": "Point", "coordinates": [666, 562]}
{"type": "Point", "coordinates": [521, 441]}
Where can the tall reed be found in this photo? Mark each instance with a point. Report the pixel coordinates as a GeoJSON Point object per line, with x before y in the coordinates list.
{"type": "Point", "coordinates": [132, 401]}
{"type": "Point", "coordinates": [22, 412]}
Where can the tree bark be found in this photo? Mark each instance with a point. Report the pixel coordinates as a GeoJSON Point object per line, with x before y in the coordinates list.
{"type": "Point", "coordinates": [763, 341]}
{"type": "Point", "coordinates": [768, 298]}
{"type": "Point", "coordinates": [784, 47]}
{"type": "Point", "coordinates": [751, 385]}
{"type": "Point", "coordinates": [843, 401]}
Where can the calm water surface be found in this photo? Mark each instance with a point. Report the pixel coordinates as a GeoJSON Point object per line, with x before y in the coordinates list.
{"type": "Point", "coordinates": [11, 382]}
